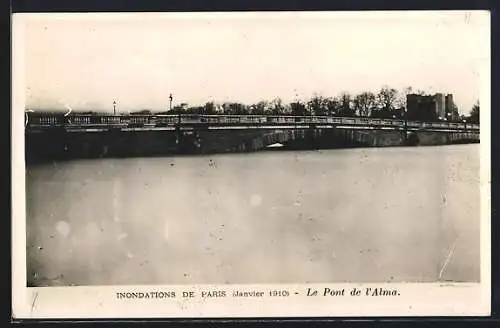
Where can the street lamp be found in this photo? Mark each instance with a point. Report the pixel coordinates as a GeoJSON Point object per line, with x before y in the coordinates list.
{"type": "Point", "coordinates": [171, 97]}
{"type": "Point", "coordinates": [405, 118]}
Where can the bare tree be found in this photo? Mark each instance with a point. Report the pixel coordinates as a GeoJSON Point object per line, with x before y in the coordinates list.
{"type": "Point", "coordinates": [277, 107]}
{"type": "Point", "coordinates": [403, 95]}
{"type": "Point", "coordinates": [364, 103]}
{"type": "Point", "coordinates": [226, 108]}
{"type": "Point", "coordinates": [259, 108]}
{"type": "Point", "coordinates": [386, 101]}
{"type": "Point", "coordinates": [317, 105]}
{"type": "Point", "coordinates": [210, 108]}
{"type": "Point", "coordinates": [345, 104]}
{"type": "Point", "coordinates": [287, 109]}
{"type": "Point", "coordinates": [237, 109]}
{"type": "Point", "coordinates": [298, 108]}
{"type": "Point", "coordinates": [332, 106]}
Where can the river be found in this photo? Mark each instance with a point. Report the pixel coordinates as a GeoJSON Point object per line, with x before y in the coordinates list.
{"type": "Point", "coordinates": [351, 215]}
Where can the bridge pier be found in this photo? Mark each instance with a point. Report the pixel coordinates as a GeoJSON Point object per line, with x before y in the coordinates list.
{"type": "Point", "coordinates": [411, 138]}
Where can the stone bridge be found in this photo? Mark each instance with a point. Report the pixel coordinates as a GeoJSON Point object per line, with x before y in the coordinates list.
{"type": "Point", "coordinates": [237, 141]}
{"type": "Point", "coordinates": [55, 137]}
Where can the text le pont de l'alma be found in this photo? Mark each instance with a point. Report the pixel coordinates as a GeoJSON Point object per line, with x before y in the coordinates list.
{"type": "Point", "coordinates": [368, 291]}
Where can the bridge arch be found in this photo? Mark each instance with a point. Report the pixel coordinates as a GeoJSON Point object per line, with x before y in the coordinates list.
{"type": "Point", "coordinates": [308, 139]}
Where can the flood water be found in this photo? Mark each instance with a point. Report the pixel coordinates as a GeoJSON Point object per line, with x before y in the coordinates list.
{"type": "Point", "coordinates": [351, 215]}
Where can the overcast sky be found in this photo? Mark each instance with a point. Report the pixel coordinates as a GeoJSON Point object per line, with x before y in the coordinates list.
{"type": "Point", "coordinates": [89, 60]}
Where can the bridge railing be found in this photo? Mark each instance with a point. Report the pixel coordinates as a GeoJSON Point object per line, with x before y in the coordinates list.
{"type": "Point", "coordinates": [76, 120]}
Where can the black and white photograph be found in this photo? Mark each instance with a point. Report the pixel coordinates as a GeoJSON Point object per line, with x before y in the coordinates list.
{"type": "Point", "coordinates": [253, 148]}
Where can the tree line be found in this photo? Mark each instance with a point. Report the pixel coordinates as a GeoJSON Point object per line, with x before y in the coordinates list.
{"type": "Point", "coordinates": [387, 103]}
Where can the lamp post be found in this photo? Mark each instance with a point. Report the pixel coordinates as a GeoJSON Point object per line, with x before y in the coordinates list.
{"type": "Point", "coordinates": [405, 119]}
{"type": "Point", "coordinates": [178, 129]}
{"type": "Point", "coordinates": [171, 98]}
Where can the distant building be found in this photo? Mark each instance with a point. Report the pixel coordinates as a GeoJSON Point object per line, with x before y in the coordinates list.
{"type": "Point", "coordinates": [451, 109]}
{"type": "Point", "coordinates": [440, 105]}
{"type": "Point", "coordinates": [421, 108]}
{"type": "Point", "coordinates": [431, 107]}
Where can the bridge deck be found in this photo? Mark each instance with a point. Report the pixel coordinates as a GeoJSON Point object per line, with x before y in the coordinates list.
{"type": "Point", "coordinates": [92, 123]}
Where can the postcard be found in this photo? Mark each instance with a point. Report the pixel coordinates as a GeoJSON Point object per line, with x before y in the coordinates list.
{"type": "Point", "coordinates": [251, 164]}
